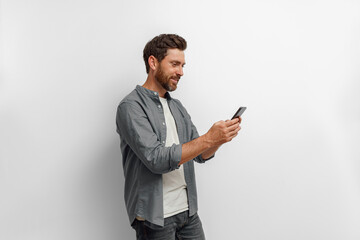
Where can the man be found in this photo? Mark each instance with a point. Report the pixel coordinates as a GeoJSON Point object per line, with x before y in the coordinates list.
{"type": "Point", "coordinates": [159, 145]}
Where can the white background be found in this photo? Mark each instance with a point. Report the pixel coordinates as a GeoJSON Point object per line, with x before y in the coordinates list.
{"type": "Point", "coordinates": [292, 173]}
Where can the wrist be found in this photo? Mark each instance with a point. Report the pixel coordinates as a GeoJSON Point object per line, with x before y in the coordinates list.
{"type": "Point", "coordinates": [206, 141]}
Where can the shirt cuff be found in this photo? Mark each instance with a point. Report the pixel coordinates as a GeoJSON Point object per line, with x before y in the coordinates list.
{"type": "Point", "coordinates": [174, 164]}
{"type": "Point", "coordinates": [200, 159]}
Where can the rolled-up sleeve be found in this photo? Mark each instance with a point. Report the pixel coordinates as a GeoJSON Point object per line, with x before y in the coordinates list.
{"type": "Point", "coordinates": [135, 129]}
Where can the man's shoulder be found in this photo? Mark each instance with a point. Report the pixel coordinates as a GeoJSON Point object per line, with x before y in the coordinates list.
{"type": "Point", "coordinates": [132, 98]}
{"type": "Point", "coordinates": [130, 105]}
{"type": "Point", "coordinates": [173, 100]}
{"type": "Point", "coordinates": [177, 101]}
{"type": "Point", "coordinates": [180, 106]}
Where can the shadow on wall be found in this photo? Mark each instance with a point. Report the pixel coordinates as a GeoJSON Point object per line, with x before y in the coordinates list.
{"type": "Point", "coordinates": [106, 193]}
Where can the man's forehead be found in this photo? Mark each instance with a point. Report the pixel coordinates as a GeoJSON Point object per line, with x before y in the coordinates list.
{"type": "Point", "coordinates": [175, 54]}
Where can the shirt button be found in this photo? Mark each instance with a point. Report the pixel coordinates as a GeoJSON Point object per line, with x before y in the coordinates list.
{"type": "Point", "coordinates": [163, 123]}
{"type": "Point", "coordinates": [159, 106]}
{"type": "Point", "coordinates": [163, 141]}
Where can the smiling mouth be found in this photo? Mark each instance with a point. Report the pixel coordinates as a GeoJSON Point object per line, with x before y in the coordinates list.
{"type": "Point", "coordinates": [176, 80]}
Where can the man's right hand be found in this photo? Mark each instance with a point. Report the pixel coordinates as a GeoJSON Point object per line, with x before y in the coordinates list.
{"type": "Point", "coordinates": [222, 132]}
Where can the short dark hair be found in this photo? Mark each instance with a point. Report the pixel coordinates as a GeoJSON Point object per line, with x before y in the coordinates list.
{"type": "Point", "coordinates": [159, 45]}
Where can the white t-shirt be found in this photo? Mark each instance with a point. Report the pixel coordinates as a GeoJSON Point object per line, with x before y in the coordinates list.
{"type": "Point", "coordinates": [174, 186]}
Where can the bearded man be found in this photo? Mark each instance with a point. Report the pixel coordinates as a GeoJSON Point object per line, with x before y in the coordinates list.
{"type": "Point", "coordinates": [159, 145]}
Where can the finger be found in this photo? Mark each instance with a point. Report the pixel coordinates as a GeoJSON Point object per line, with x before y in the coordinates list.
{"type": "Point", "coordinates": [233, 127]}
{"type": "Point", "coordinates": [234, 132]}
{"type": "Point", "coordinates": [233, 136]}
{"type": "Point", "coordinates": [231, 122]}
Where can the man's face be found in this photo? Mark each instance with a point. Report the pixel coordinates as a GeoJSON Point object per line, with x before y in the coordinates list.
{"type": "Point", "coordinates": [170, 69]}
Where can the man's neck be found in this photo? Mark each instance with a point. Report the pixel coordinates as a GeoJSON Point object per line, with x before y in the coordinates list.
{"type": "Point", "coordinates": [153, 85]}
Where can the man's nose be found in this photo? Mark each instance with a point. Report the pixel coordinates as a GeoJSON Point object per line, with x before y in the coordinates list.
{"type": "Point", "coordinates": [180, 71]}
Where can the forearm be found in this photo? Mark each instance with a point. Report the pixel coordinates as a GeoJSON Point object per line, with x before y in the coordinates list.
{"type": "Point", "coordinates": [209, 152]}
{"type": "Point", "coordinates": [194, 148]}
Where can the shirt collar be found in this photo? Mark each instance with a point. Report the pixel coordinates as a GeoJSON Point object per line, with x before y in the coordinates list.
{"type": "Point", "coordinates": [151, 93]}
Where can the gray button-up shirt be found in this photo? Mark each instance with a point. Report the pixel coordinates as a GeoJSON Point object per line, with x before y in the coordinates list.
{"type": "Point", "coordinates": [140, 123]}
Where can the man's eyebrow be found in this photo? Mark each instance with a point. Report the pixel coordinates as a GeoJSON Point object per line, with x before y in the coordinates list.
{"type": "Point", "coordinates": [177, 62]}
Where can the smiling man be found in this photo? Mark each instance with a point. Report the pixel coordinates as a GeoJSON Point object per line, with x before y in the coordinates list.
{"type": "Point", "coordinates": [159, 144]}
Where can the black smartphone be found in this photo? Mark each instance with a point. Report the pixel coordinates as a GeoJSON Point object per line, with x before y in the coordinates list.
{"type": "Point", "coordinates": [238, 113]}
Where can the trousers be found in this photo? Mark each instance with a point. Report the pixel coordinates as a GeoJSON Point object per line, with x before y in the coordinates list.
{"type": "Point", "coordinates": [177, 227]}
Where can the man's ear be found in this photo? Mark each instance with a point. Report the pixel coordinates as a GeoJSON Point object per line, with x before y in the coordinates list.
{"type": "Point", "coordinates": [153, 62]}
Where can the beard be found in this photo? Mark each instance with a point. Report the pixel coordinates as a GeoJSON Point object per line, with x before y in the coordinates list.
{"type": "Point", "coordinates": [166, 81]}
